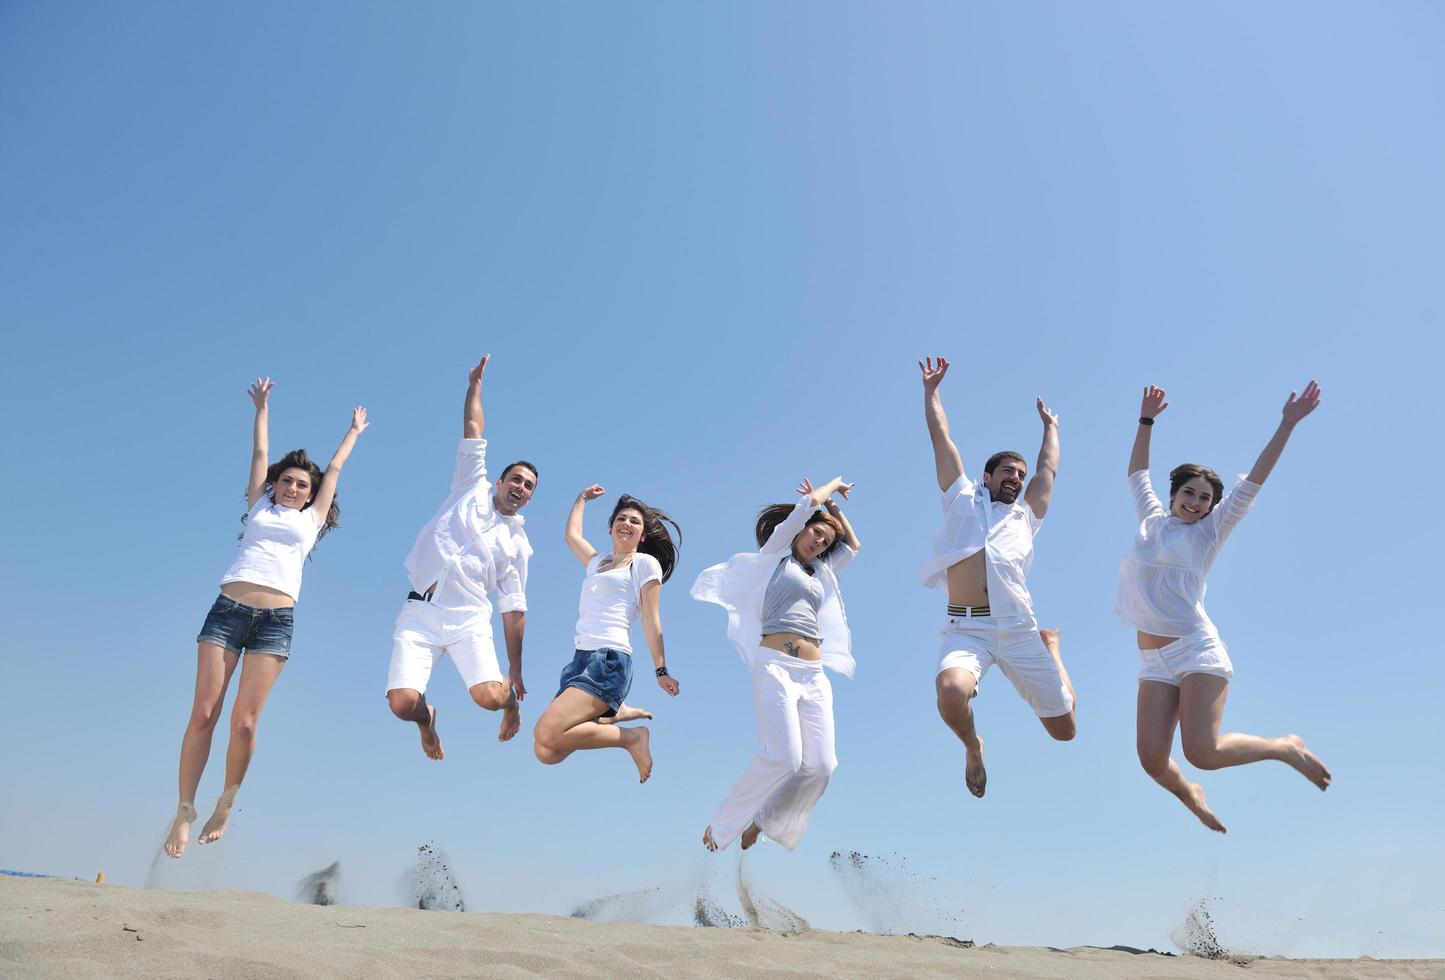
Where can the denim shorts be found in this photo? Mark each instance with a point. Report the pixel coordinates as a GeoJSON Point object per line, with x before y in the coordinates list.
{"type": "Point", "coordinates": [604, 673]}
{"type": "Point", "coordinates": [246, 629]}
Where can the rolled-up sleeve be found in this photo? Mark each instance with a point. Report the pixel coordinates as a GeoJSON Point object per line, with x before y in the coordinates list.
{"type": "Point", "coordinates": [471, 464]}
{"type": "Point", "coordinates": [512, 586]}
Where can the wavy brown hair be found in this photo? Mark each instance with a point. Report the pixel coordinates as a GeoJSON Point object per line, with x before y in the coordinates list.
{"type": "Point", "coordinates": [298, 460]}
{"type": "Point", "coordinates": [656, 539]}
{"type": "Point", "coordinates": [1185, 472]}
{"type": "Point", "coordinates": [774, 514]}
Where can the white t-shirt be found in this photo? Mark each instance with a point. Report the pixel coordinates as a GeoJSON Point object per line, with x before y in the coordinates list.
{"type": "Point", "coordinates": [274, 546]}
{"type": "Point", "coordinates": [610, 601]}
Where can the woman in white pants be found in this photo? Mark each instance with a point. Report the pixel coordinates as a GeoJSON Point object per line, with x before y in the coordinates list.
{"type": "Point", "coordinates": [785, 616]}
{"type": "Point", "coordinates": [1184, 665]}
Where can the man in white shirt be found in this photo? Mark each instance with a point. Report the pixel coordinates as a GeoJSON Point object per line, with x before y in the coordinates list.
{"type": "Point", "coordinates": [474, 547]}
{"type": "Point", "coordinates": [981, 558]}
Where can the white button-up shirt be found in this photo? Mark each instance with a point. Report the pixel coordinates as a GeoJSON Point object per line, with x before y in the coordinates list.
{"type": "Point", "coordinates": [469, 549]}
{"type": "Point", "coordinates": [974, 522]}
{"type": "Point", "coordinates": [1161, 583]}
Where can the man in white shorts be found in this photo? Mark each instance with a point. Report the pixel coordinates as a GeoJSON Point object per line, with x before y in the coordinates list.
{"type": "Point", "coordinates": [472, 548]}
{"type": "Point", "coordinates": [981, 557]}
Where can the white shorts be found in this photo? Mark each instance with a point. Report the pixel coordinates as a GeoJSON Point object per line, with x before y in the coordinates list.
{"type": "Point", "coordinates": [977, 643]}
{"type": "Point", "coordinates": [424, 631]}
{"type": "Point", "coordinates": [1197, 653]}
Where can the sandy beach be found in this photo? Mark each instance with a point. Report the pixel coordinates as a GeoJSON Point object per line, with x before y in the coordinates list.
{"type": "Point", "coordinates": [63, 928]}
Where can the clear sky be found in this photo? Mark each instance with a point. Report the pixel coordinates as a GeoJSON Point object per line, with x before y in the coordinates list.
{"type": "Point", "coordinates": [705, 245]}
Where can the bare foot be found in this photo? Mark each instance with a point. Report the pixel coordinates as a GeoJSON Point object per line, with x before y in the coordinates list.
{"type": "Point", "coordinates": [750, 836]}
{"type": "Point", "coordinates": [215, 827]}
{"type": "Point", "coordinates": [431, 742]}
{"type": "Point", "coordinates": [974, 776]}
{"type": "Point", "coordinates": [626, 713]}
{"type": "Point", "coordinates": [1194, 800]}
{"type": "Point", "coordinates": [637, 746]}
{"type": "Point", "coordinates": [511, 721]}
{"type": "Point", "coordinates": [707, 840]}
{"type": "Point", "coordinates": [175, 844]}
{"type": "Point", "coordinates": [1307, 763]}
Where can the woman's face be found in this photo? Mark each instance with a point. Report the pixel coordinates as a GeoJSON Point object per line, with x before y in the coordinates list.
{"type": "Point", "coordinates": [626, 530]}
{"type": "Point", "coordinates": [813, 540]}
{"type": "Point", "coordinates": [293, 488]}
{"type": "Point", "coordinates": [1193, 500]}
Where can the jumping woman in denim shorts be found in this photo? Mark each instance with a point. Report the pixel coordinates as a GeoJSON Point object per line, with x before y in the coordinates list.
{"type": "Point", "coordinates": [1184, 666]}
{"type": "Point", "coordinates": [589, 702]}
{"type": "Point", "coordinates": [291, 504]}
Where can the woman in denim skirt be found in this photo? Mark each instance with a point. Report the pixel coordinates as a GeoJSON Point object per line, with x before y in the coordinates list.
{"type": "Point", "coordinates": [290, 504]}
{"type": "Point", "coordinates": [589, 702]}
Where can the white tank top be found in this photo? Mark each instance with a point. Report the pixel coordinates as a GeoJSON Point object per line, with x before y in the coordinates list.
{"type": "Point", "coordinates": [274, 547]}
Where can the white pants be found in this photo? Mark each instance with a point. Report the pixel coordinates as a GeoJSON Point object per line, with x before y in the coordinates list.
{"type": "Point", "coordinates": [793, 702]}
{"type": "Point", "coordinates": [426, 630]}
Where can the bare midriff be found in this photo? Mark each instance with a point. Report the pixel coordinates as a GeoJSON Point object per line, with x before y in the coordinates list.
{"type": "Point", "coordinates": [257, 596]}
{"type": "Point", "coordinates": [802, 647]}
{"type": "Point", "coordinates": [1148, 641]}
{"type": "Point", "coordinates": [968, 582]}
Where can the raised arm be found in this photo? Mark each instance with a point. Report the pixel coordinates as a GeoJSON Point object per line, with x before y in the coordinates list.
{"type": "Point", "coordinates": [327, 491]}
{"type": "Point", "coordinates": [849, 537]}
{"type": "Point", "coordinates": [472, 418]}
{"type": "Point", "coordinates": [946, 461]}
{"type": "Point", "coordinates": [652, 628]}
{"type": "Point", "coordinates": [1295, 409]}
{"type": "Point", "coordinates": [1041, 488]}
{"type": "Point", "coordinates": [1149, 409]}
{"type": "Point", "coordinates": [573, 534]}
{"type": "Point", "coordinates": [260, 392]}
{"type": "Point", "coordinates": [819, 496]}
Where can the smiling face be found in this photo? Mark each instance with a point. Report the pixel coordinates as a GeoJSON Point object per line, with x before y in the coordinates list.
{"type": "Point", "coordinates": [515, 490]}
{"type": "Point", "coordinates": [813, 540]}
{"type": "Point", "coordinates": [626, 530]}
{"type": "Point", "coordinates": [1006, 481]}
{"type": "Point", "coordinates": [293, 488]}
{"type": "Point", "coordinates": [1193, 500]}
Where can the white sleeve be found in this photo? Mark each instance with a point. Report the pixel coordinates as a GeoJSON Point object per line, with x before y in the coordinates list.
{"type": "Point", "coordinates": [840, 557]}
{"type": "Point", "coordinates": [471, 464]}
{"type": "Point", "coordinates": [963, 485]}
{"type": "Point", "coordinates": [1146, 501]}
{"type": "Point", "coordinates": [781, 539]}
{"type": "Point", "coordinates": [512, 586]}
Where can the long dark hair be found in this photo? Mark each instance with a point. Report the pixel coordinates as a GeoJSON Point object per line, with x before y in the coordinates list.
{"type": "Point", "coordinates": [1185, 472]}
{"type": "Point", "coordinates": [656, 540]}
{"type": "Point", "coordinates": [298, 460]}
{"type": "Point", "coordinates": [774, 514]}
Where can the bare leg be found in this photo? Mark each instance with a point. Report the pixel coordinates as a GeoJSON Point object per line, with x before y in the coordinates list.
{"type": "Point", "coordinates": [258, 676]}
{"type": "Point", "coordinates": [496, 696]}
{"type": "Point", "coordinates": [214, 666]}
{"type": "Point", "coordinates": [410, 705]}
{"type": "Point", "coordinates": [956, 688]}
{"type": "Point", "coordinates": [1059, 727]}
{"type": "Point", "coordinates": [1158, 715]}
{"type": "Point", "coordinates": [1201, 709]}
{"type": "Point", "coordinates": [570, 724]}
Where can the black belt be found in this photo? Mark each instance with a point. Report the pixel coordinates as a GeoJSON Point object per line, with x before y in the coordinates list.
{"type": "Point", "coordinates": [419, 597]}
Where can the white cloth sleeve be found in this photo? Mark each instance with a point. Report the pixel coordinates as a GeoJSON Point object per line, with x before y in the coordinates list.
{"type": "Point", "coordinates": [1146, 501]}
{"type": "Point", "coordinates": [962, 486]}
{"type": "Point", "coordinates": [512, 586]}
{"type": "Point", "coordinates": [471, 464]}
{"type": "Point", "coordinates": [781, 539]}
{"type": "Point", "coordinates": [840, 557]}
{"type": "Point", "coordinates": [1231, 509]}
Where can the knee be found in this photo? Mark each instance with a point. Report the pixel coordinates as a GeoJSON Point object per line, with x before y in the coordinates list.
{"type": "Point", "coordinates": [403, 702]}
{"type": "Point", "coordinates": [243, 726]}
{"type": "Point", "coordinates": [821, 769]}
{"type": "Point", "coordinates": [546, 756]}
{"type": "Point", "coordinates": [1155, 764]}
{"type": "Point", "coordinates": [1062, 728]}
{"type": "Point", "coordinates": [954, 694]}
{"type": "Point", "coordinates": [203, 720]}
{"type": "Point", "coordinates": [1200, 753]}
{"type": "Point", "coordinates": [490, 695]}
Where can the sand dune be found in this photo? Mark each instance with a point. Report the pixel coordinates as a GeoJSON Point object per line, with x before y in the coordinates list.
{"type": "Point", "coordinates": [71, 929]}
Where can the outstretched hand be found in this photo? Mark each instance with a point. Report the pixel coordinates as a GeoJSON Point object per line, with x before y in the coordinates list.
{"type": "Point", "coordinates": [669, 684]}
{"type": "Point", "coordinates": [932, 373]}
{"type": "Point", "coordinates": [260, 392]}
{"type": "Point", "coordinates": [805, 487]}
{"type": "Point", "coordinates": [474, 376]}
{"type": "Point", "coordinates": [358, 420]}
{"type": "Point", "coordinates": [1298, 406]}
{"type": "Point", "coordinates": [593, 492]}
{"type": "Point", "coordinates": [1049, 418]}
{"type": "Point", "coordinates": [1153, 402]}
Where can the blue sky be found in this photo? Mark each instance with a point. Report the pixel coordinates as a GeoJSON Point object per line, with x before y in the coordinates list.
{"type": "Point", "coordinates": [706, 245]}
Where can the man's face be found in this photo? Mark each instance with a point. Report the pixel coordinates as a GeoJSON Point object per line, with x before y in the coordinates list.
{"type": "Point", "coordinates": [515, 490]}
{"type": "Point", "coordinates": [1006, 481]}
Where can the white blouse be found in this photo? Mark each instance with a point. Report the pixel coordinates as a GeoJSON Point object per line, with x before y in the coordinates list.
{"type": "Point", "coordinates": [610, 601]}
{"type": "Point", "coordinates": [740, 584]}
{"type": "Point", "coordinates": [973, 522]}
{"type": "Point", "coordinates": [274, 546]}
{"type": "Point", "coordinates": [1161, 583]}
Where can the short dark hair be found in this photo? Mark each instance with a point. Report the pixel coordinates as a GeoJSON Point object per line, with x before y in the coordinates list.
{"type": "Point", "coordinates": [997, 458]}
{"type": "Point", "coordinates": [520, 462]}
{"type": "Point", "coordinates": [1185, 472]}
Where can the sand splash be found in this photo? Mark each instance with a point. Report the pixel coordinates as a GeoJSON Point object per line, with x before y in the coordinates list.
{"type": "Point", "coordinates": [319, 887]}
{"type": "Point", "coordinates": [430, 883]}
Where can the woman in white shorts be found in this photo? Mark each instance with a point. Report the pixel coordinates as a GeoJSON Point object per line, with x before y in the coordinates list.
{"type": "Point", "coordinates": [1185, 667]}
{"type": "Point", "coordinates": [617, 586]}
{"type": "Point", "coordinates": [785, 616]}
{"type": "Point", "coordinates": [290, 504]}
